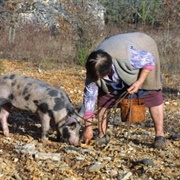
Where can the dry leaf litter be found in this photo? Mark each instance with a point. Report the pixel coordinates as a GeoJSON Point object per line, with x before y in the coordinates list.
{"type": "Point", "coordinates": [23, 157]}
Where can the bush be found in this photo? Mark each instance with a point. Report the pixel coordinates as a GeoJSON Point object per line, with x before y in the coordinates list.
{"type": "Point", "coordinates": [136, 11]}
{"type": "Point", "coordinates": [82, 54]}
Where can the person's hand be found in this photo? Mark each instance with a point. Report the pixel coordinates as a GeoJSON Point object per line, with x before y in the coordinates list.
{"type": "Point", "coordinates": [137, 84]}
{"type": "Point", "coordinates": [88, 134]}
{"type": "Point", "coordinates": [134, 87]}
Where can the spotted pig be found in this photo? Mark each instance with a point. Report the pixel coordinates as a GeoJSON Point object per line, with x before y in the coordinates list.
{"type": "Point", "coordinates": [33, 95]}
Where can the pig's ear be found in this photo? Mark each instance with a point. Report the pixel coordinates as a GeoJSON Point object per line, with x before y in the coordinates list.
{"type": "Point", "coordinates": [70, 120]}
{"type": "Point", "coordinates": [72, 126]}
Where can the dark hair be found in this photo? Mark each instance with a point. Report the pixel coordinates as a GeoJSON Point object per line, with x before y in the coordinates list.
{"type": "Point", "coordinates": [98, 64]}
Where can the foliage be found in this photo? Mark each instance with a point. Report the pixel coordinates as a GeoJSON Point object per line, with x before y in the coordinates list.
{"type": "Point", "coordinates": [82, 54]}
{"type": "Point", "coordinates": [1, 67]}
{"type": "Point", "coordinates": [87, 31]}
{"type": "Point", "coordinates": [132, 11]}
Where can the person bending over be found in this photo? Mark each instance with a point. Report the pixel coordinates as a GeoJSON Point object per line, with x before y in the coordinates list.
{"type": "Point", "coordinates": [125, 62]}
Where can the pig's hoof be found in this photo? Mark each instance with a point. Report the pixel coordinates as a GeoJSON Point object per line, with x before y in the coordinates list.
{"type": "Point", "coordinates": [44, 139]}
{"type": "Point", "coordinates": [6, 133]}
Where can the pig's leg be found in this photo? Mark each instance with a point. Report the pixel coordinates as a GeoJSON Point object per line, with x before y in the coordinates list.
{"type": "Point", "coordinates": [58, 134]}
{"type": "Point", "coordinates": [4, 116]}
{"type": "Point", "coordinates": [45, 123]}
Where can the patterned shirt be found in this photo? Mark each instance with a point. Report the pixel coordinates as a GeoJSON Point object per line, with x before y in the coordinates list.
{"type": "Point", "coordinates": [138, 58]}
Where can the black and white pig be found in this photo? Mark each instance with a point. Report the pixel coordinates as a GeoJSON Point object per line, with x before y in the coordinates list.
{"type": "Point", "coordinates": [33, 95]}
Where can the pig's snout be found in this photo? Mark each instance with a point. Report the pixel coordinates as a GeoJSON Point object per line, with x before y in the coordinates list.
{"type": "Point", "coordinates": [74, 141]}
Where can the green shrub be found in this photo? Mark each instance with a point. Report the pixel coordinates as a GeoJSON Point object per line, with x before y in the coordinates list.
{"type": "Point", "coordinates": [1, 69]}
{"type": "Point", "coordinates": [137, 11]}
{"type": "Point", "coordinates": [82, 54]}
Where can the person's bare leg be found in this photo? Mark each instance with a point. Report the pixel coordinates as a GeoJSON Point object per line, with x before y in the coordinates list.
{"type": "Point", "coordinates": [102, 122]}
{"type": "Point", "coordinates": [158, 119]}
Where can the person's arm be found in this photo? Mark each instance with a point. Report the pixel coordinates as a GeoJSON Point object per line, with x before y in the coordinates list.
{"type": "Point", "coordinates": [137, 84]}
{"type": "Point", "coordinates": [90, 97]}
{"type": "Point", "coordinates": [144, 61]}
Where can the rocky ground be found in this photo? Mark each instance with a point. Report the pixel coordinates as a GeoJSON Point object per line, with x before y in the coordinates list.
{"type": "Point", "coordinates": [23, 157]}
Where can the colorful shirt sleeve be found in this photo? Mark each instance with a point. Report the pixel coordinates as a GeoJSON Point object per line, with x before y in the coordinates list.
{"type": "Point", "coordinates": [90, 97]}
{"type": "Point", "coordinates": [142, 59]}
